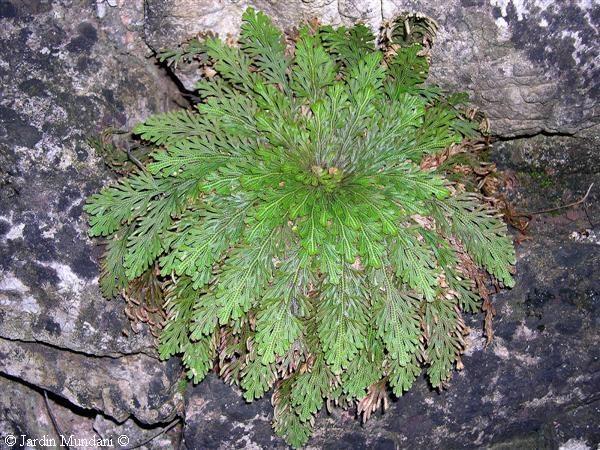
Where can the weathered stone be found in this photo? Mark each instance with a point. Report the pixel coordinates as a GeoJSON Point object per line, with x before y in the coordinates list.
{"type": "Point", "coordinates": [216, 416]}
{"type": "Point", "coordinates": [135, 434]}
{"type": "Point", "coordinates": [132, 385]}
{"type": "Point", "coordinates": [530, 65]}
{"type": "Point", "coordinates": [71, 68]}
{"type": "Point", "coordinates": [553, 171]}
{"type": "Point", "coordinates": [63, 80]}
{"type": "Point", "coordinates": [25, 416]}
{"type": "Point", "coordinates": [65, 77]}
{"type": "Point", "coordinates": [22, 412]}
{"type": "Point", "coordinates": [558, 154]}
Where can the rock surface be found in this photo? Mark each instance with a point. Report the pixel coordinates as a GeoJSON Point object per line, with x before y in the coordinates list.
{"type": "Point", "coordinates": [65, 77]}
{"type": "Point", "coordinates": [69, 69]}
{"type": "Point", "coordinates": [531, 65]}
{"type": "Point", "coordinates": [129, 386]}
{"type": "Point", "coordinates": [25, 415]}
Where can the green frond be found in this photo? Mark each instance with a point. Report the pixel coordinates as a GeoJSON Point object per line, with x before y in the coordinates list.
{"type": "Point", "coordinates": [146, 242]}
{"type": "Point", "coordinates": [286, 421]}
{"type": "Point", "coordinates": [264, 43]}
{"type": "Point", "coordinates": [232, 64]}
{"type": "Point", "coordinates": [343, 317]}
{"type": "Point", "coordinates": [121, 203]}
{"type": "Point", "coordinates": [171, 127]}
{"type": "Point", "coordinates": [113, 277]}
{"type": "Point", "coordinates": [257, 378]}
{"type": "Point", "coordinates": [314, 69]}
{"type": "Point", "coordinates": [243, 278]}
{"type": "Point", "coordinates": [205, 317]}
{"type": "Point", "coordinates": [187, 160]}
{"type": "Point", "coordinates": [202, 240]}
{"type": "Point", "coordinates": [198, 358]}
{"type": "Point", "coordinates": [310, 389]}
{"type": "Point", "coordinates": [465, 291]}
{"type": "Point", "coordinates": [179, 305]}
{"type": "Point", "coordinates": [235, 114]}
{"type": "Point", "coordinates": [401, 377]}
{"type": "Point", "coordinates": [408, 68]}
{"type": "Point", "coordinates": [444, 333]}
{"type": "Point", "coordinates": [415, 264]}
{"type": "Point", "coordinates": [483, 234]}
{"type": "Point", "coordinates": [348, 45]}
{"type": "Point", "coordinates": [278, 322]}
{"type": "Point", "coordinates": [364, 370]}
{"type": "Point", "coordinates": [397, 317]}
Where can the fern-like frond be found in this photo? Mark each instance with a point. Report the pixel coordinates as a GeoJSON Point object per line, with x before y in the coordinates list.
{"type": "Point", "coordinates": [314, 69]}
{"type": "Point", "coordinates": [113, 276]}
{"type": "Point", "coordinates": [483, 234]}
{"type": "Point", "coordinates": [415, 264]}
{"type": "Point", "coordinates": [257, 378]}
{"type": "Point", "coordinates": [180, 301]}
{"type": "Point", "coordinates": [171, 127]}
{"type": "Point", "coordinates": [265, 45]}
{"type": "Point", "coordinates": [364, 370]}
{"type": "Point", "coordinates": [343, 317]}
{"type": "Point", "coordinates": [287, 422]}
{"type": "Point", "coordinates": [348, 45]}
{"type": "Point", "coordinates": [310, 389]}
{"type": "Point", "coordinates": [444, 331]}
{"type": "Point", "coordinates": [397, 316]}
{"type": "Point", "coordinates": [121, 203]}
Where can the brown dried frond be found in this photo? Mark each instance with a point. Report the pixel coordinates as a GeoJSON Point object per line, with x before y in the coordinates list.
{"type": "Point", "coordinates": [294, 360]}
{"type": "Point", "coordinates": [471, 146]}
{"type": "Point", "coordinates": [314, 23]}
{"type": "Point", "coordinates": [144, 298]}
{"type": "Point", "coordinates": [375, 399]}
{"type": "Point", "coordinates": [467, 267]}
{"type": "Point", "coordinates": [230, 370]}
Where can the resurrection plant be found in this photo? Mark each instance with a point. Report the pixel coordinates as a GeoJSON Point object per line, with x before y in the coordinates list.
{"type": "Point", "coordinates": [298, 218]}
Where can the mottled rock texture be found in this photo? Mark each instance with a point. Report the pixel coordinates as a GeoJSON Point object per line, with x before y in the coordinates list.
{"type": "Point", "coordinates": [532, 65]}
{"type": "Point", "coordinates": [65, 76]}
{"type": "Point", "coordinates": [69, 69]}
{"type": "Point", "coordinates": [25, 415]}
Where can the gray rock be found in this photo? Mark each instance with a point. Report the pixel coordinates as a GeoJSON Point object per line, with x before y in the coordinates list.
{"type": "Point", "coordinates": [22, 412]}
{"type": "Point", "coordinates": [65, 77]}
{"type": "Point", "coordinates": [132, 385]}
{"type": "Point", "coordinates": [25, 416]}
{"type": "Point", "coordinates": [217, 417]}
{"type": "Point", "coordinates": [553, 171]}
{"type": "Point", "coordinates": [528, 64]}
{"type": "Point", "coordinates": [109, 429]}
{"type": "Point", "coordinates": [66, 82]}
{"type": "Point", "coordinates": [559, 154]}
{"type": "Point", "coordinates": [531, 65]}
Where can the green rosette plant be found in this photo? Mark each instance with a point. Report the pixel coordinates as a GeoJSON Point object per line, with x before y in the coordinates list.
{"type": "Point", "coordinates": [304, 240]}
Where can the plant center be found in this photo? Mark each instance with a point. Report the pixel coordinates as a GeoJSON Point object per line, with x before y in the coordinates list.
{"type": "Point", "coordinates": [328, 177]}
